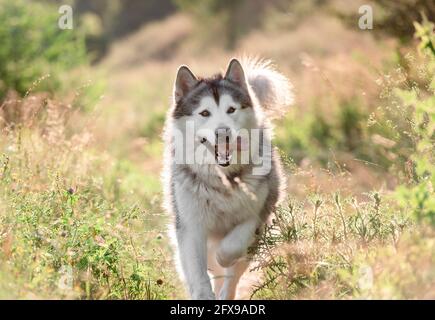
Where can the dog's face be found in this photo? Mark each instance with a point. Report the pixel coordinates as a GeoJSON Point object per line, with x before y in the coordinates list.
{"type": "Point", "coordinates": [216, 110]}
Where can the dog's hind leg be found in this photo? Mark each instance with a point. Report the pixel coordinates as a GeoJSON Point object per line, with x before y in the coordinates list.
{"type": "Point", "coordinates": [232, 277]}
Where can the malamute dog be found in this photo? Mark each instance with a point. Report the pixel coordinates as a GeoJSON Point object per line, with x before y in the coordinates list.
{"type": "Point", "coordinates": [222, 177]}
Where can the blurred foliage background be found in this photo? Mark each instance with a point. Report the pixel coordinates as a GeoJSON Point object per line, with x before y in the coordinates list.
{"type": "Point", "coordinates": [82, 112]}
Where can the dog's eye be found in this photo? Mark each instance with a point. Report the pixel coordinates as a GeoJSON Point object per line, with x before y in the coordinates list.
{"type": "Point", "coordinates": [205, 113]}
{"type": "Point", "coordinates": [231, 110]}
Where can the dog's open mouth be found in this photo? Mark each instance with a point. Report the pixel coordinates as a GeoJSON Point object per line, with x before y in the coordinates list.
{"type": "Point", "coordinates": [222, 153]}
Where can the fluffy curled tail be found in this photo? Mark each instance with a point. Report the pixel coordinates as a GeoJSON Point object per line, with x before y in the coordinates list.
{"type": "Point", "coordinates": [272, 89]}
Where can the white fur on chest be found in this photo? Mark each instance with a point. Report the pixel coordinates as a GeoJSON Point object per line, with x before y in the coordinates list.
{"type": "Point", "coordinates": [218, 207]}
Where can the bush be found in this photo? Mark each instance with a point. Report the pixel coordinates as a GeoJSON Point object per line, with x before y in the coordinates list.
{"type": "Point", "coordinates": [399, 15]}
{"type": "Point", "coordinates": [34, 50]}
{"type": "Point", "coordinates": [418, 196]}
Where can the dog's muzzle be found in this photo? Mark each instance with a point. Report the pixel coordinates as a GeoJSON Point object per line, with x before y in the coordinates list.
{"type": "Point", "coordinates": [222, 152]}
{"type": "Point", "coordinates": [223, 146]}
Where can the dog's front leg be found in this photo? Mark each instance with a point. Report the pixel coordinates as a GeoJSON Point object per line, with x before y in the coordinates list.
{"type": "Point", "coordinates": [192, 244]}
{"type": "Point", "coordinates": [236, 243]}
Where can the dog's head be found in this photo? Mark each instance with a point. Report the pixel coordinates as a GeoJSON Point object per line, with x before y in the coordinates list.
{"type": "Point", "coordinates": [217, 110]}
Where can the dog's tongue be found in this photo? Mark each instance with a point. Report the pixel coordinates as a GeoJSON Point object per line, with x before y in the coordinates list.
{"type": "Point", "coordinates": [239, 144]}
{"type": "Point", "coordinates": [223, 149]}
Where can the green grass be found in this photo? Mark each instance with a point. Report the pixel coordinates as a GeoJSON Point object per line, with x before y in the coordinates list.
{"type": "Point", "coordinates": [75, 225]}
{"type": "Point", "coordinates": [381, 246]}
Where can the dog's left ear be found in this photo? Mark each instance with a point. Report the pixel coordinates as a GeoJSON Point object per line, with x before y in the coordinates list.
{"type": "Point", "coordinates": [236, 74]}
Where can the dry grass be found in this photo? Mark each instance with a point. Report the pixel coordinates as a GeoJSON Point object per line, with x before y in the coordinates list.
{"type": "Point", "coordinates": [75, 222]}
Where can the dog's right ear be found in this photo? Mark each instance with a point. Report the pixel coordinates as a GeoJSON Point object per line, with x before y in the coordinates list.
{"type": "Point", "coordinates": [235, 73]}
{"type": "Point", "coordinates": [184, 82]}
